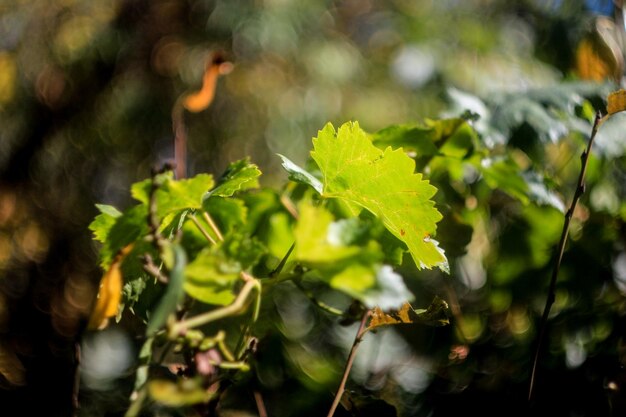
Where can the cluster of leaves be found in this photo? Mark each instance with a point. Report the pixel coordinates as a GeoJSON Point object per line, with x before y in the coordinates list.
{"type": "Point", "coordinates": [201, 260]}
{"type": "Point", "coordinates": [193, 251]}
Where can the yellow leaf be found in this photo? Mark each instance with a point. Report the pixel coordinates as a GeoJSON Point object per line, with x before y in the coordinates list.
{"type": "Point", "coordinates": [380, 318]}
{"type": "Point", "coordinates": [109, 293]}
{"type": "Point", "coordinates": [201, 99]}
{"type": "Point", "coordinates": [598, 56]}
{"type": "Point", "coordinates": [434, 315]}
{"type": "Point", "coordinates": [616, 102]}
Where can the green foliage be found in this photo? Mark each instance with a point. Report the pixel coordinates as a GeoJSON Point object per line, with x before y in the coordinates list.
{"type": "Point", "coordinates": [211, 262]}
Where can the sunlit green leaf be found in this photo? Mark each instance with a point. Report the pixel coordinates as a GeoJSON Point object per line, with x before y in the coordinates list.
{"type": "Point", "coordinates": [240, 175]}
{"type": "Point", "coordinates": [384, 183]}
{"type": "Point", "coordinates": [102, 223]}
{"type": "Point", "coordinates": [176, 195]}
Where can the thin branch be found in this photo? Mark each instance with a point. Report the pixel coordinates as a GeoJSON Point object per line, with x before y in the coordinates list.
{"type": "Point", "coordinates": [151, 268]}
{"type": "Point", "coordinates": [580, 189]}
{"type": "Point", "coordinates": [357, 340]}
{"type": "Point", "coordinates": [214, 227]}
{"type": "Point", "coordinates": [260, 405]}
{"type": "Point", "coordinates": [206, 234]}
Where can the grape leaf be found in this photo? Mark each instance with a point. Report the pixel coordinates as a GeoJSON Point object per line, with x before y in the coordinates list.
{"type": "Point", "coordinates": [240, 175]}
{"type": "Point", "coordinates": [175, 195]}
{"type": "Point", "coordinates": [384, 183]}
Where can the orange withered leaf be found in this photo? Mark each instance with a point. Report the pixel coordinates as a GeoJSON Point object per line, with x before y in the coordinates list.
{"type": "Point", "coordinates": [109, 293]}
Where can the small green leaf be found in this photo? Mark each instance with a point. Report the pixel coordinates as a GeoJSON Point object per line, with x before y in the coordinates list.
{"type": "Point", "coordinates": [103, 222]}
{"type": "Point", "coordinates": [240, 175]}
{"type": "Point", "coordinates": [175, 195]}
{"type": "Point", "coordinates": [244, 249]}
{"type": "Point", "coordinates": [384, 183]}
{"type": "Point", "coordinates": [300, 175]}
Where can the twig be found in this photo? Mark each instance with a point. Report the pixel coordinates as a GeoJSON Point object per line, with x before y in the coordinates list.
{"type": "Point", "coordinates": [357, 340]}
{"type": "Point", "coordinates": [580, 189]}
{"type": "Point", "coordinates": [150, 267]}
{"type": "Point", "coordinates": [206, 234]}
{"type": "Point", "coordinates": [260, 405]}
{"type": "Point", "coordinates": [214, 227]}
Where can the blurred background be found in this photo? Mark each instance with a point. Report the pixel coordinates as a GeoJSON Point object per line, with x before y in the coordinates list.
{"type": "Point", "coordinates": [86, 94]}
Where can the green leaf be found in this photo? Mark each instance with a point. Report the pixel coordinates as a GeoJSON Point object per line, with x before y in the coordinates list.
{"type": "Point", "coordinates": [314, 244]}
{"type": "Point", "coordinates": [358, 173]}
{"type": "Point", "coordinates": [452, 137]}
{"type": "Point", "coordinates": [211, 276]}
{"type": "Point", "coordinates": [244, 249]}
{"type": "Point", "coordinates": [539, 192]}
{"type": "Point", "coordinates": [175, 195]}
{"type": "Point", "coordinates": [300, 175]}
{"type": "Point", "coordinates": [503, 173]}
{"type": "Point", "coordinates": [184, 392]}
{"type": "Point", "coordinates": [228, 213]}
{"type": "Point", "coordinates": [240, 175]}
{"type": "Point", "coordinates": [128, 227]}
{"type": "Point", "coordinates": [331, 248]}
{"type": "Point", "coordinates": [103, 222]}
{"type": "Point", "coordinates": [140, 191]}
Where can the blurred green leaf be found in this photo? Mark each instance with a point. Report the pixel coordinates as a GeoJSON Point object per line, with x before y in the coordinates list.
{"type": "Point", "coordinates": [228, 213]}
{"type": "Point", "coordinates": [183, 393]}
{"type": "Point", "coordinates": [211, 277]}
{"type": "Point", "coordinates": [173, 293]}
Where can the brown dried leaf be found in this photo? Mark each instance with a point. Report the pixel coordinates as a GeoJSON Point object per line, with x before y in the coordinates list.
{"type": "Point", "coordinates": [616, 102]}
{"type": "Point", "coordinates": [434, 315]}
